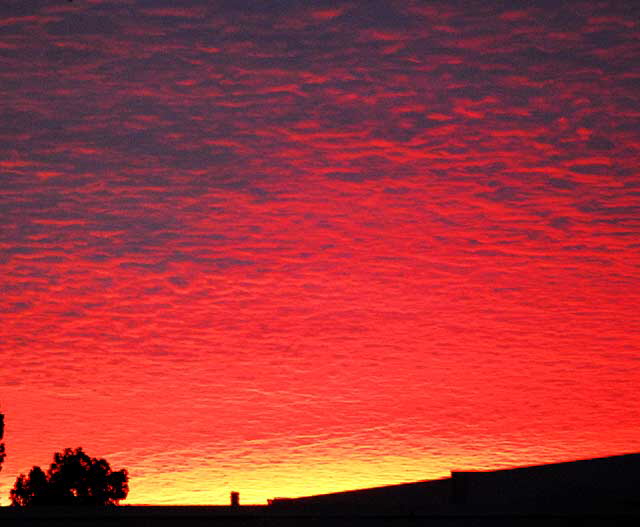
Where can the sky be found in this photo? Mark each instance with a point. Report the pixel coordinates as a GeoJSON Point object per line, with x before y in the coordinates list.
{"type": "Point", "coordinates": [286, 247]}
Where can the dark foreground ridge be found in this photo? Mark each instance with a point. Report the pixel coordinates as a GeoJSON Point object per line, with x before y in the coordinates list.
{"type": "Point", "coordinates": [603, 491]}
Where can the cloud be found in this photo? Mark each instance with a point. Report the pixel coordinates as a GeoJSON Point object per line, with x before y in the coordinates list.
{"type": "Point", "coordinates": [273, 219]}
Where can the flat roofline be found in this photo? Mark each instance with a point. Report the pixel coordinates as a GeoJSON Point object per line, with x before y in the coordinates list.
{"type": "Point", "coordinates": [554, 464]}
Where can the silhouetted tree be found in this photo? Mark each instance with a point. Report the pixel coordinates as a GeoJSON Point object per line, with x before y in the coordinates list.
{"type": "Point", "coordinates": [2, 452]}
{"type": "Point", "coordinates": [73, 478]}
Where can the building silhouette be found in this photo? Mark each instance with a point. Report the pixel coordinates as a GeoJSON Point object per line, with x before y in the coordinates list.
{"type": "Point", "coordinates": [591, 484]}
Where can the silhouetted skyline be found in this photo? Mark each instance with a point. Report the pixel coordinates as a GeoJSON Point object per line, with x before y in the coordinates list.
{"type": "Point", "coordinates": [291, 247]}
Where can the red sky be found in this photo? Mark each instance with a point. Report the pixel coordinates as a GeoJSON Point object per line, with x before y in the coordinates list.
{"type": "Point", "coordinates": [283, 249]}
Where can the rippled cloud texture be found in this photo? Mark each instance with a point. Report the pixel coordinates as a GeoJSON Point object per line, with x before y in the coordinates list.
{"type": "Point", "coordinates": [289, 247]}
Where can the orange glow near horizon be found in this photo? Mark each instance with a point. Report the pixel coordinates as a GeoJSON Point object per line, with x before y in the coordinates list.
{"type": "Point", "coordinates": [285, 250]}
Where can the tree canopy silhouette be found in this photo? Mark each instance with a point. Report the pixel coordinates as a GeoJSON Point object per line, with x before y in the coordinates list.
{"type": "Point", "coordinates": [2, 452]}
{"type": "Point", "coordinates": [73, 479]}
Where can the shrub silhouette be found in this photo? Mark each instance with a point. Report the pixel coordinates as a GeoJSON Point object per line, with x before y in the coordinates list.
{"type": "Point", "coordinates": [73, 479]}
